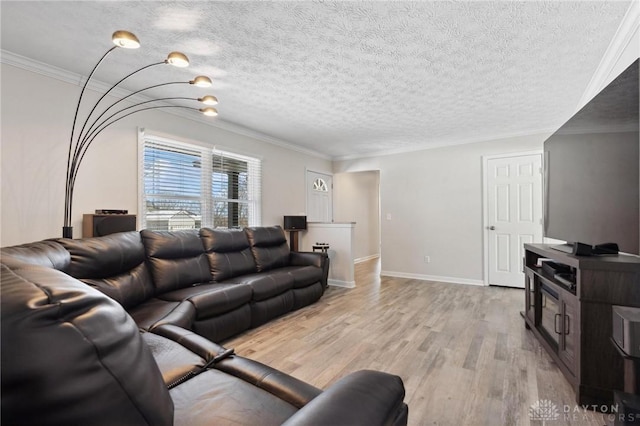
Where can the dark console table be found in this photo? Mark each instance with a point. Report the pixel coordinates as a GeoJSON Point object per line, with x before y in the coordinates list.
{"type": "Point", "coordinates": [572, 318]}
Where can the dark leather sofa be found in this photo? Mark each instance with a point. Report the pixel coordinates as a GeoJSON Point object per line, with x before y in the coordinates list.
{"type": "Point", "coordinates": [216, 282]}
{"type": "Point", "coordinates": [140, 350]}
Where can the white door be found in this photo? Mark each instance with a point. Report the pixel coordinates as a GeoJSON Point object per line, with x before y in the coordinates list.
{"type": "Point", "coordinates": [319, 197]}
{"type": "Point", "coordinates": [514, 215]}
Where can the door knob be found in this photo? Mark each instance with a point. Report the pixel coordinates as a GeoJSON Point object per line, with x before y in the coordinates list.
{"type": "Point", "coordinates": [491, 228]}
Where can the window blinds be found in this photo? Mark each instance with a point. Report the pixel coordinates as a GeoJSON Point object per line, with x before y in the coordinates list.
{"type": "Point", "coordinates": [188, 186]}
{"type": "Point", "coordinates": [235, 187]}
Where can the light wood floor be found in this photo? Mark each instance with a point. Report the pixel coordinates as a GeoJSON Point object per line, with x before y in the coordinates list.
{"type": "Point", "coordinates": [462, 351]}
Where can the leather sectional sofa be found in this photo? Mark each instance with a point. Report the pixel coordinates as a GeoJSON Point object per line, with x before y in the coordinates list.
{"type": "Point", "coordinates": [216, 282]}
{"type": "Point", "coordinates": [120, 330]}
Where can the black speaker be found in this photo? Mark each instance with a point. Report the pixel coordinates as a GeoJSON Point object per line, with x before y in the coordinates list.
{"type": "Point", "coordinates": [97, 225]}
{"type": "Point", "coordinates": [295, 223]}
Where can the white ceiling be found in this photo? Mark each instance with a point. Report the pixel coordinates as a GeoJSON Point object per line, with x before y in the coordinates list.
{"type": "Point", "coordinates": [343, 78]}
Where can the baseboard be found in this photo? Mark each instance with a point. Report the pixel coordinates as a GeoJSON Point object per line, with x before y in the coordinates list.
{"type": "Point", "coordinates": [364, 259]}
{"type": "Point", "coordinates": [344, 284]}
{"type": "Point", "coordinates": [438, 278]}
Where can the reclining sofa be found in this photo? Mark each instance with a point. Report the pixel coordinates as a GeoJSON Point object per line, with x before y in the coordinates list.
{"type": "Point", "coordinates": [216, 282]}
{"type": "Point", "coordinates": [120, 330]}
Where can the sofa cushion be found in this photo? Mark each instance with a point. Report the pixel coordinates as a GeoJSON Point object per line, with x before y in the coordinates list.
{"type": "Point", "coordinates": [129, 289]}
{"type": "Point", "coordinates": [72, 356]}
{"type": "Point", "coordinates": [176, 259]}
{"type": "Point", "coordinates": [304, 296]}
{"type": "Point", "coordinates": [266, 284]}
{"type": "Point", "coordinates": [269, 247]}
{"type": "Point", "coordinates": [217, 398]}
{"type": "Point", "coordinates": [228, 252]}
{"type": "Point", "coordinates": [302, 276]}
{"type": "Point", "coordinates": [114, 264]}
{"type": "Point", "coordinates": [223, 326]}
{"type": "Point", "coordinates": [44, 253]}
{"type": "Point", "coordinates": [211, 299]}
{"type": "Point", "coordinates": [264, 311]}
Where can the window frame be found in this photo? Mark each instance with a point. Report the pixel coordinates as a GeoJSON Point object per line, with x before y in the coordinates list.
{"type": "Point", "coordinates": [207, 198]}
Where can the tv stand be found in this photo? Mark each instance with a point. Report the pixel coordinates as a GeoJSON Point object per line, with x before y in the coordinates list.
{"type": "Point", "coordinates": [574, 322]}
{"type": "Point", "coordinates": [565, 248]}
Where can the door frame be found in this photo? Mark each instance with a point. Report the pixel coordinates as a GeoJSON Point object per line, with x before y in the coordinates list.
{"type": "Point", "coordinates": [306, 191]}
{"type": "Point", "coordinates": [485, 209]}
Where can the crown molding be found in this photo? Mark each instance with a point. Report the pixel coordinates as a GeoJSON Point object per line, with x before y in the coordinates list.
{"type": "Point", "coordinates": [622, 38]}
{"type": "Point", "coordinates": [32, 65]}
{"type": "Point", "coordinates": [28, 64]}
{"type": "Point", "coordinates": [429, 146]}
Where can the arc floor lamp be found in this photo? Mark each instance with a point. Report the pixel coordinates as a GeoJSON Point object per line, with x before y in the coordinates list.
{"type": "Point", "coordinates": [80, 141]}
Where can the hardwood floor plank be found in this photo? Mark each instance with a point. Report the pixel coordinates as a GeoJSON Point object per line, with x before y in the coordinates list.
{"type": "Point", "coordinates": [462, 351]}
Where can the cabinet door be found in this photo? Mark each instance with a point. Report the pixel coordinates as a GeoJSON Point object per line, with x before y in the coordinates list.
{"type": "Point", "coordinates": [569, 339]}
{"type": "Point", "coordinates": [530, 295]}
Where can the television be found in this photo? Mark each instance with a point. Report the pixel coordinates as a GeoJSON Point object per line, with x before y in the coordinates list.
{"type": "Point", "coordinates": [591, 179]}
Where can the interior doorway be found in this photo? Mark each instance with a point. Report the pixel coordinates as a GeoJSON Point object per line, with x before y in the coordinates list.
{"type": "Point", "coordinates": [357, 199]}
{"type": "Point", "coordinates": [512, 199]}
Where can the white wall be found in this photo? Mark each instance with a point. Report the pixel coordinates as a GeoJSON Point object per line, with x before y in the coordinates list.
{"type": "Point", "coordinates": [37, 113]}
{"type": "Point", "coordinates": [356, 199]}
{"type": "Point", "coordinates": [434, 199]}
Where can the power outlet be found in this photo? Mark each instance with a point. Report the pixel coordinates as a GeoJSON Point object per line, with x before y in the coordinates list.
{"type": "Point", "coordinates": [427, 259]}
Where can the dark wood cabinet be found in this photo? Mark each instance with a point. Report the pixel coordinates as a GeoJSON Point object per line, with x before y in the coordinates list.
{"type": "Point", "coordinates": [572, 319]}
{"type": "Point", "coordinates": [530, 295]}
{"type": "Point", "coordinates": [98, 225]}
{"type": "Point", "coordinates": [568, 331]}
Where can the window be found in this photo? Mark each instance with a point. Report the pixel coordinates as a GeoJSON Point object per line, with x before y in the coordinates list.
{"type": "Point", "coordinates": [320, 185]}
{"type": "Point", "coordinates": [189, 186]}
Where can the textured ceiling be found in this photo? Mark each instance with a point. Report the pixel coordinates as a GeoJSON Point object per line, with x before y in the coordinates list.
{"type": "Point", "coordinates": [344, 78]}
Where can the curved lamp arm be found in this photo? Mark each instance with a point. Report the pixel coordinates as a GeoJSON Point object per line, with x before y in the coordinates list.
{"type": "Point", "coordinates": [86, 141]}
{"type": "Point", "coordinates": [71, 178]}
{"type": "Point", "coordinates": [107, 92]}
{"type": "Point", "coordinates": [200, 80]}
{"type": "Point", "coordinates": [175, 59]}
{"type": "Point", "coordinates": [80, 142]}
{"type": "Point", "coordinates": [73, 127]}
{"type": "Point", "coordinates": [121, 38]}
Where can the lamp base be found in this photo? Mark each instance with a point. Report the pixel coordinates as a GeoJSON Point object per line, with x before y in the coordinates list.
{"type": "Point", "coordinates": [67, 232]}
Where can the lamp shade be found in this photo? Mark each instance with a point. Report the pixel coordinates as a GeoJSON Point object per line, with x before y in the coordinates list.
{"type": "Point", "coordinates": [201, 81]}
{"type": "Point", "coordinates": [209, 112]}
{"type": "Point", "coordinates": [125, 39]}
{"type": "Point", "coordinates": [209, 100]}
{"type": "Point", "coordinates": [177, 59]}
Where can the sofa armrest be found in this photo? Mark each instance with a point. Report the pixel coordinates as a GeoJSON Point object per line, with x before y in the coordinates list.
{"type": "Point", "coordinates": [308, 258]}
{"type": "Point", "coordinates": [197, 344]}
{"type": "Point", "coordinates": [362, 398]}
{"type": "Point", "coordinates": [288, 388]}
